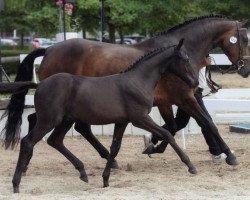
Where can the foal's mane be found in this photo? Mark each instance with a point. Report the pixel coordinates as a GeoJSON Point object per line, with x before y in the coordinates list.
{"type": "Point", "coordinates": [189, 22]}
{"type": "Point", "coordinates": [146, 57]}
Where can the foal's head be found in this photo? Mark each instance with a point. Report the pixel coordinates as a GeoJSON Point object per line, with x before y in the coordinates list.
{"type": "Point", "coordinates": [179, 64]}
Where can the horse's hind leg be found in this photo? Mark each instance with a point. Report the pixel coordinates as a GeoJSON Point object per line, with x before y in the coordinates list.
{"type": "Point", "coordinates": [26, 151]}
{"type": "Point", "coordinates": [148, 124]}
{"type": "Point", "coordinates": [56, 140]}
{"type": "Point", "coordinates": [85, 131]}
{"type": "Point", "coordinates": [114, 149]}
{"type": "Point", "coordinates": [32, 122]}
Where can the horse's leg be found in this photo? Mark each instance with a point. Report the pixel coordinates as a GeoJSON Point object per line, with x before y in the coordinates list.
{"type": "Point", "coordinates": [114, 149]}
{"type": "Point", "coordinates": [32, 123]}
{"type": "Point", "coordinates": [56, 140]}
{"type": "Point", "coordinates": [180, 121]}
{"type": "Point", "coordinates": [85, 131]}
{"type": "Point", "coordinates": [216, 144]}
{"type": "Point", "coordinates": [167, 115]}
{"type": "Point", "coordinates": [26, 151]}
{"type": "Point", "coordinates": [148, 124]}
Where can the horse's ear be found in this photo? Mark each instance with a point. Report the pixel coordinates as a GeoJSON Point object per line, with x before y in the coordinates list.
{"type": "Point", "coordinates": [180, 44]}
{"type": "Point", "coordinates": [244, 22]}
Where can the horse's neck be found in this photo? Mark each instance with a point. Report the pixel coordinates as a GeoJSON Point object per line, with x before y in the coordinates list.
{"type": "Point", "coordinates": [147, 73]}
{"type": "Point", "coordinates": [200, 37]}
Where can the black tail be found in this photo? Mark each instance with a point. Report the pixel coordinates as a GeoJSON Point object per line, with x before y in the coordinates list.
{"type": "Point", "coordinates": [15, 107]}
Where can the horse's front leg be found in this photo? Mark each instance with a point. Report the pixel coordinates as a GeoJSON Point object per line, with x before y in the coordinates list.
{"type": "Point", "coordinates": [209, 130]}
{"type": "Point", "coordinates": [114, 149]}
{"type": "Point", "coordinates": [86, 132]}
{"type": "Point", "coordinates": [166, 112]}
{"type": "Point", "coordinates": [148, 124]}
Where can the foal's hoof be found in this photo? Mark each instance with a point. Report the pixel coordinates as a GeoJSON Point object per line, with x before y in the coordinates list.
{"type": "Point", "coordinates": [231, 160]}
{"type": "Point", "coordinates": [105, 184]}
{"type": "Point", "coordinates": [84, 178]}
{"type": "Point", "coordinates": [149, 149]}
{"type": "Point", "coordinates": [114, 165]}
{"type": "Point", "coordinates": [16, 189]}
{"type": "Point", "coordinates": [192, 170]}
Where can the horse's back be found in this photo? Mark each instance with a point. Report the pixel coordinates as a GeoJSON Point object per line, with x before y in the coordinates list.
{"type": "Point", "coordinates": [87, 58]}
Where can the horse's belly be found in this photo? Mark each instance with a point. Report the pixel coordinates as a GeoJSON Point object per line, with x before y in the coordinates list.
{"type": "Point", "coordinates": [99, 114]}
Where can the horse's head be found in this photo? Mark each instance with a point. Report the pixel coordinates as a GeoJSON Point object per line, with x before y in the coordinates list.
{"type": "Point", "coordinates": [180, 65]}
{"type": "Point", "coordinates": [235, 46]}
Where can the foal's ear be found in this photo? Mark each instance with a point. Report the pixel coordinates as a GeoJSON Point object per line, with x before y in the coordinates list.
{"type": "Point", "coordinates": [244, 22]}
{"type": "Point", "coordinates": [180, 44]}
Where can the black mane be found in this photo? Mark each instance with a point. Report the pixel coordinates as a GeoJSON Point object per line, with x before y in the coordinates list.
{"type": "Point", "coordinates": [189, 22]}
{"type": "Point", "coordinates": [146, 57]}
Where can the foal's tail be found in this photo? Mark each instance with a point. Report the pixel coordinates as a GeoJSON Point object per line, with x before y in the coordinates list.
{"type": "Point", "coordinates": [12, 133]}
{"type": "Point", "coordinates": [16, 105]}
{"type": "Point", "coordinates": [16, 87]}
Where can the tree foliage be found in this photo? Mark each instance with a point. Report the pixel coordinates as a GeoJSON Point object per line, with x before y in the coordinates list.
{"type": "Point", "coordinates": [121, 16]}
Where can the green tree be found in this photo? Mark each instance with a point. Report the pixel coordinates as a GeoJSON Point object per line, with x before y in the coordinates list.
{"type": "Point", "coordinates": [44, 17]}
{"type": "Point", "coordinates": [14, 17]}
{"type": "Point", "coordinates": [141, 16]}
{"type": "Point", "coordinates": [232, 8]}
{"type": "Point", "coordinates": [121, 16]}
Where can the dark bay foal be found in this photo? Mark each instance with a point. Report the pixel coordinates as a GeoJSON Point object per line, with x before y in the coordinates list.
{"type": "Point", "coordinates": [62, 99]}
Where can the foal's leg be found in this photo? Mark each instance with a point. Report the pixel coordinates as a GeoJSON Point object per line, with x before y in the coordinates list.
{"type": "Point", "coordinates": [167, 114]}
{"type": "Point", "coordinates": [56, 140]}
{"type": "Point", "coordinates": [114, 149]}
{"type": "Point", "coordinates": [85, 131]}
{"type": "Point", "coordinates": [214, 140]}
{"type": "Point", "coordinates": [179, 122]}
{"type": "Point", "coordinates": [32, 123]}
{"type": "Point", "coordinates": [26, 151]}
{"type": "Point", "coordinates": [148, 124]}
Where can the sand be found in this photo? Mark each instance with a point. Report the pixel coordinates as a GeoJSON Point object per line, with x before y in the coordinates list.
{"type": "Point", "coordinates": [51, 176]}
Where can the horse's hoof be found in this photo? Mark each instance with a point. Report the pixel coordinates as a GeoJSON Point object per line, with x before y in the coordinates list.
{"type": "Point", "coordinates": [114, 165]}
{"type": "Point", "coordinates": [149, 149]}
{"type": "Point", "coordinates": [231, 160]}
{"type": "Point", "coordinates": [105, 184]}
{"type": "Point", "coordinates": [84, 178]}
{"type": "Point", "coordinates": [16, 189]}
{"type": "Point", "coordinates": [192, 170]}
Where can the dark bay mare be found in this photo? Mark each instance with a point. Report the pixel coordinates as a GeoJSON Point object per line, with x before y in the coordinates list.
{"type": "Point", "coordinates": [89, 58]}
{"type": "Point", "coordinates": [63, 99]}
